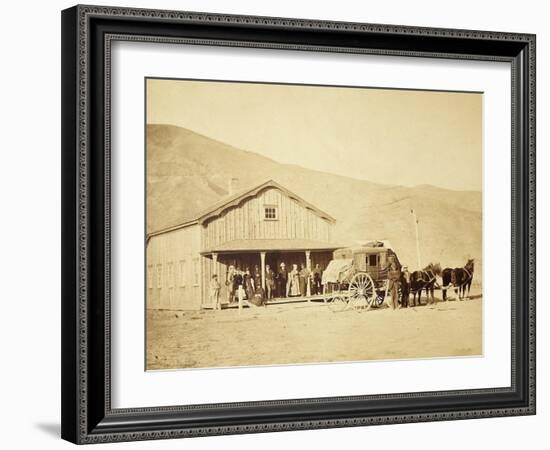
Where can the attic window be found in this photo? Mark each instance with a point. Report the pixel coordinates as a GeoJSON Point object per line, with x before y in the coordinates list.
{"type": "Point", "coordinates": [270, 212]}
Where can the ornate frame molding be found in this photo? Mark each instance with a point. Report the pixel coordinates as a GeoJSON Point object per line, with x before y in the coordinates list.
{"type": "Point", "coordinates": [87, 421]}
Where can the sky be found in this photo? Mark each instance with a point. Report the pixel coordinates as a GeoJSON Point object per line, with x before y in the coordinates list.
{"type": "Point", "coordinates": [391, 136]}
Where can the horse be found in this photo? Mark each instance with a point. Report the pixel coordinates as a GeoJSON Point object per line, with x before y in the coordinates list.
{"type": "Point", "coordinates": [424, 279]}
{"type": "Point", "coordinates": [460, 278]}
{"type": "Point", "coordinates": [464, 278]}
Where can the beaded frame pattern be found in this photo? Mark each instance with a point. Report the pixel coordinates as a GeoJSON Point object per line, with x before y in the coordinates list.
{"type": "Point", "coordinates": [84, 14]}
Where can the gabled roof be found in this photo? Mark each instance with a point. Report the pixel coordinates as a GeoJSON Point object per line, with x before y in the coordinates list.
{"type": "Point", "coordinates": [217, 208]}
{"type": "Point", "coordinates": [234, 200]}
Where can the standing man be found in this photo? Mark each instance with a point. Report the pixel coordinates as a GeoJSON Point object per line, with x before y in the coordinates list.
{"type": "Point", "coordinates": [215, 292]}
{"type": "Point", "coordinates": [317, 276]}
{"type": "Point", "coordinates": [405, 286]}
{"type": "Point", "coordinates": [394, 276]}
{"type": "Point", "coordinates": [269, 281]}
{"type": "Point", "coordinates": [257, 278]}
{"type": "Point", "coordinates": [230, 283]}
{"type": "Point", "coordinates": [282, 279]}
{"type": "Point", "coordinates": [238, 281]}
{"type": "Point", "coordinates": [303, 277]}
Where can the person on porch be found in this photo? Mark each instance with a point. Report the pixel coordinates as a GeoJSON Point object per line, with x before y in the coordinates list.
{"type": "Point", "coordinates": [248, 284]}
{"type": "Point", "coordinates": [257, 277]}
{"type": "Point", "coordinates": [230, 284]}
{"type": "Point", "coordinates": [317, 288]}
{"type": "Point", "coordinates": [215, 292]}
{"type": "Point", "coordinates": [293, 286]}
{"type": "Point", "coordinates": [269, 281]}
{"type": "Point", "coordinates": [238, 283]}
{"type": "Point", "coordinates": [282, 281]}
{"type": "Point", "coordinates": [258, 299]}
{"type": "Point", "coordinates": [303, 279]}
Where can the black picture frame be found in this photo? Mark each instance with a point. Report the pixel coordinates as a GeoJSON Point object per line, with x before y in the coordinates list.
{"type": "Point", "coordinates": [87, 33]}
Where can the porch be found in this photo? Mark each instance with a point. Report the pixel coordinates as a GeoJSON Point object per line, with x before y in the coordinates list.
{"type": "Point", "coordinates": [280, 301]}
{"type": "Point", "coordinates": [258, 254]}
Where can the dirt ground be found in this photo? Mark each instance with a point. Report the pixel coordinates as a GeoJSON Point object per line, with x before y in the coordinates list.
{"type": "Point", "coordinates": [311, 333]}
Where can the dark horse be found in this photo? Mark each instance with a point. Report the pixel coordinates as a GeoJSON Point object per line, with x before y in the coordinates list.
{"type": "Point", "coordinates": [460, 279]}
{"type": "Point", "coordinates": [424, 279]}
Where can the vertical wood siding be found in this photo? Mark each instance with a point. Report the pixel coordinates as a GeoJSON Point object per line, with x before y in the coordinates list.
{"type": "Point", "coordinates": [246, 221]}
{"type": "Point", "coordinates": [173, 268]}
{"type": "Point", "coordinates": [178, 275]}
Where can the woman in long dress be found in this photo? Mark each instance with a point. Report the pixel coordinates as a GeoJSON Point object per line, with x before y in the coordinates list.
{"type": "Point", "coordinates": [248, 284]}
{"type": "Point", "coordinates": [294, 281]}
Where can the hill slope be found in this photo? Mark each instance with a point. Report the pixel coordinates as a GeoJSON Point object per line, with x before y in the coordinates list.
{"type": "Point", "coordinates": [187, 172]}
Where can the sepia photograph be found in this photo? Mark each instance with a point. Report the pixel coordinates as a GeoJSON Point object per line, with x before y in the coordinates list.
{"type": "Point", "coordinates": [311, 224]}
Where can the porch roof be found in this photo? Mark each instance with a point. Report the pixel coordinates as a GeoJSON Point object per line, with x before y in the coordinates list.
{"type": "Point", "coordinates": [260, 245]}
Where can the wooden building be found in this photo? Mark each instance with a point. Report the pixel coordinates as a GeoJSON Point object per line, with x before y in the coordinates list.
{"type": "Point", "coordinates": [266, 224]}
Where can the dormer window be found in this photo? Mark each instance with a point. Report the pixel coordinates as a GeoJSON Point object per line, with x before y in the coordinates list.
{"type": "Point", "coordinates": [270, 212]}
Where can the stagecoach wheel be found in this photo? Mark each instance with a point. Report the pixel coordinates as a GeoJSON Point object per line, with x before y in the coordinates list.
{"type": "Point", "coordinates": [361, 291]}
{"type": "Point", "coordinates": [337, 304]}
{"type": "Point", "coordinates": [359, 304]}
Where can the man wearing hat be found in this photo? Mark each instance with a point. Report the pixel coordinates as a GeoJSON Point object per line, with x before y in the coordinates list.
{"type": "Point", "coordinates": [269, 282]}
{"type": "Point", "coordinates": [215, 292]}
{"type": "Point", "coordinates": [394, 276]}
{"type": "Point", "coordinates": [405, 283]}
{"type": "Point", "coordinates": [230, 283]}
{"type": "Point", "coordinates": [282, 279]}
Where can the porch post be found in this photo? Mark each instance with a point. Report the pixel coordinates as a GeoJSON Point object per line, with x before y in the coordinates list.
{"type": "Point", "coordinates": [308, 266]}
{"type": "Point", "coordinates": [262, 258]}
{"type": "Point", "coordinates": [215, 261]}
{"type": "Point", "coordinates": [214, 271]}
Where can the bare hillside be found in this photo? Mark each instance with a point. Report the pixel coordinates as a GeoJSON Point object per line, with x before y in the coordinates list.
{"type": "Point", "coordinates": [187, 172]}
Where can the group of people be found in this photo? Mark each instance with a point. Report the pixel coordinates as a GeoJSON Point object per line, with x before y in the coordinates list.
{"type": "Point", "coordinates": [247, 285]}
{"type": "Point", "coordinates": [298, 282]}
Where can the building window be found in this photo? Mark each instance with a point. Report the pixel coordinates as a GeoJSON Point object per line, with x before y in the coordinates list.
{"type": "Point", "coordinates": [195, 271]}
{"type": "Point", "coordinates": [171, 274]}
{"type": "Point", "coordinates": [270, 212]}
{"type": "Point", "coordinates": [159, 276]}
{"type": "Point", "coordinates": [182, 273]}
{"type": "Point", "coordinates": [150, 276]}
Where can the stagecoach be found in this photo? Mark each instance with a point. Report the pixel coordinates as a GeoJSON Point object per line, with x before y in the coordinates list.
{"type": "Point", "coordinates": [357, 277]}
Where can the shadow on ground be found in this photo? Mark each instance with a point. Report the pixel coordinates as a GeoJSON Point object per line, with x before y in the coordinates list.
{"type": "Point", "coordinates": [52, 429]}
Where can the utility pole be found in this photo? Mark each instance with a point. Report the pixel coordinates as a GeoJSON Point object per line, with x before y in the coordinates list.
{"type": "Point", "coordinates": [417, 240]}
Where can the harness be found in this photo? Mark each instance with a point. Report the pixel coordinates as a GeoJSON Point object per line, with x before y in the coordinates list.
{"type": "Point", "coordinates": [426, 283]}
{"type": "Point", "coordinates": [468, 279]}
